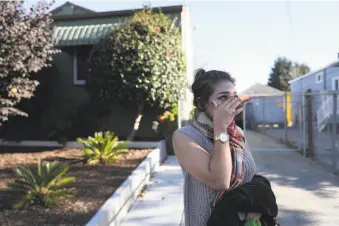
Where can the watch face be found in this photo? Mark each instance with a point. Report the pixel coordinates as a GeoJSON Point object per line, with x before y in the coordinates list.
{"type": "Point", "coordinates": [223, 137]}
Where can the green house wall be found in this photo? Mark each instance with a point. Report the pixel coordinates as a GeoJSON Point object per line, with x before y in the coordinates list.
{"type": "Point", "coordinates": [71, 97]}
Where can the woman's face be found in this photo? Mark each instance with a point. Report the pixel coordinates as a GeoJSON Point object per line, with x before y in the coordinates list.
{"type": "Point", "coordinates": [222, 91]}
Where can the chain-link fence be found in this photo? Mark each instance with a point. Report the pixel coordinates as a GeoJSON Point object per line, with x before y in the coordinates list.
{"type": "Point", "coordinates": [272, 116]}
{"type": "Point", "coordinates": [321, 115]}
{"type": "Point", "coordinates": [307, 122]}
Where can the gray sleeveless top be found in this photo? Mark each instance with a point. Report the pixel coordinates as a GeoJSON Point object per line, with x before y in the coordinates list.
{"type": "Point", "coordinates": [199, 197]}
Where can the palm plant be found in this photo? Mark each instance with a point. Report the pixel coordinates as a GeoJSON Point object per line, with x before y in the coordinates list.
{"type": "Point", "coordinates": [103, 148]}
{"type": "Point", "coordinates": [41, 184]}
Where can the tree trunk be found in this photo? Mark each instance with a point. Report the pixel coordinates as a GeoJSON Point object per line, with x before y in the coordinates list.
{"type": "Point", "coordinates": [136, 123]}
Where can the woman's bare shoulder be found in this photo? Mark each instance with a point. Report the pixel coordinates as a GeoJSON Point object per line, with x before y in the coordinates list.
{"type": "Point", "coordinates": [180, 135]}
{"type": "Point", "coordinates": [183, 141]}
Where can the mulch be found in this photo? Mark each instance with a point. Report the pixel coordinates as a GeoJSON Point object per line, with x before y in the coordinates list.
{"type": "Point", "coordinates": [94, 185]}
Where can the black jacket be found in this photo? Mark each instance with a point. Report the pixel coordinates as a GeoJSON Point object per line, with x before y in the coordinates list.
{"type": "Point", "coordinates": [253, 197]}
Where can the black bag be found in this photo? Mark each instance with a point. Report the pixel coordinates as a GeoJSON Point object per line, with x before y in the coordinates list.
{"type": "Point", "coordinates": [253, 197]}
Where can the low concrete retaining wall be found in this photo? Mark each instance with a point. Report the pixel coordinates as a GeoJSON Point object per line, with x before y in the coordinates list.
{"type": "Point", "coordinates": [72, 144]}
{"type": "Point", "coordinates": [114, 210]}
{"type": "Point", "coordinates": [116, 207]}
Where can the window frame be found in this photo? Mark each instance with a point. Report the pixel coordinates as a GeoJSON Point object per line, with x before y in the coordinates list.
{"type": "Point", "coordinates": [321, 74]}
{"type": "Point", "coordinates": [76, 81]}
{"type": "Point", "coordinates": [333, 83]}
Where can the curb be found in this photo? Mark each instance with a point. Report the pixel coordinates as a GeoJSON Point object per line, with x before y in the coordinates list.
{"type": "Point", "coordinates": [71, 144]}
{"type": "Point", "coordinates": [115, 209]}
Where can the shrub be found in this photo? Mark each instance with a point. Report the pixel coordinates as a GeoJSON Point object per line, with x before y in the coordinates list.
{"type": "Point", "coordinates": [140, 63]}
{"type": "Point", "coordinates": [26, 47]}
{"type": "Point", "coordinates": [41, 184]}
{"type": "Point", "coordinates": [167, 124]}
{"type": "Point", "coordinates": [167, 121]}
{"type": "Point", "coordinates": [103, 148]}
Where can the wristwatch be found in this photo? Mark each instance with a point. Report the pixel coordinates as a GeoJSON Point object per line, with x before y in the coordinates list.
{"type": "Point", "coordinates": [222, 137]}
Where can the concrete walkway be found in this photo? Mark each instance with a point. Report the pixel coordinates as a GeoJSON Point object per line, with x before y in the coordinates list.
{"type": "Point", "coordinates": [306, 193]}
{"type": "Point", "coordinates": [162, 203]}
{"type": "Point", "coordinates": [259, 141]}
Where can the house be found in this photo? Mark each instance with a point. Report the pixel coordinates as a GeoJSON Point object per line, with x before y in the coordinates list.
{"type": "Point", "coordinates": [76, 31]}
{"type": "Point", "coordinates": [265, 106]}
{"type": "Point", "coordinates": [320, 83]}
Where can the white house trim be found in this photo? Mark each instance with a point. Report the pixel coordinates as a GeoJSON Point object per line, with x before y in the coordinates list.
{"type": "Point", "coordinates": [185, 105]}
{"type": "Point", "coordinates": [76, 81]}
{"type": "Point", "coordinates": [333, 83]}
{"type": "Point", "coordinates": [333, 64]}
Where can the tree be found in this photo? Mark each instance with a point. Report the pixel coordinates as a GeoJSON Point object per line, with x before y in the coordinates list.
{"type": "Point", "coordinates": [300, 69]}
{"type": "Point", "coordinates": [283, 71]}
{"type": "Point", "coordinates": [26, 47]}
{"type": "Point", "coordinates": [141, 63]}
{"type": "Point", "coordinates": [280, 74]}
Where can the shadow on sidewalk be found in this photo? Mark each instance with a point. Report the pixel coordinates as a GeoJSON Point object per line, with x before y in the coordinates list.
{"type": "Point", "coordinates": [291, 169]}
{"type": "Point", "coordinates": [293, 217]}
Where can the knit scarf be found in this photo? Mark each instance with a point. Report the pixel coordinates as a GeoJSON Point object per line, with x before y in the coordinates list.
{"type": "Point", "coordinates": [204, 124]}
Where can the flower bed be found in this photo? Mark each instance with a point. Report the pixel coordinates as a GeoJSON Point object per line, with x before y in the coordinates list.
{"type": "Point", "coordinates": [94, 185]}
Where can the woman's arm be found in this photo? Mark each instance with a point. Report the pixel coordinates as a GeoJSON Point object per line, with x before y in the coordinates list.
{"type": "Point", "coordinates": [214, 170]}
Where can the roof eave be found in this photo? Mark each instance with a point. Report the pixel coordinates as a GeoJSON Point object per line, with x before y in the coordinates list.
{"type": "Point", "coordinates": [273, 91]}
{"type": "Point", "coordinates": [120, 13]}
{"type": "Point", "coordinates": [334, 63]}
{"type": "Point", "coordinates": [53, 11]}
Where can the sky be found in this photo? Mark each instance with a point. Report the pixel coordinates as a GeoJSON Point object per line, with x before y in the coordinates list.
{"type": "Point", "coordinates": [245, 37]}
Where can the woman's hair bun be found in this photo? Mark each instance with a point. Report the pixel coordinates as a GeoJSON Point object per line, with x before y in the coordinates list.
{"type": "Point", "coordinates": [199, 73]}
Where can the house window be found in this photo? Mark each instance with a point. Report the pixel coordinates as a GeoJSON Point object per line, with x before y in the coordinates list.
{"type": "Point", "coordinates": [80, 67]}
{"type": "Point", "coordinates": [319, 77]}
{"type": "Point", "coordinates": [335, 84]}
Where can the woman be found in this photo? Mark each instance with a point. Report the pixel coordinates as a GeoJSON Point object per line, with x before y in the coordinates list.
{"type": "Point", "coordinates": [212, 149]}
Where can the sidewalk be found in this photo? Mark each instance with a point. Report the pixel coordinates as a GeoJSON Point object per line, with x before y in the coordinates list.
{"type": "Point", "coordinates": [307, 194]}
{"type": "Point", "coordinates": [162, 203]}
